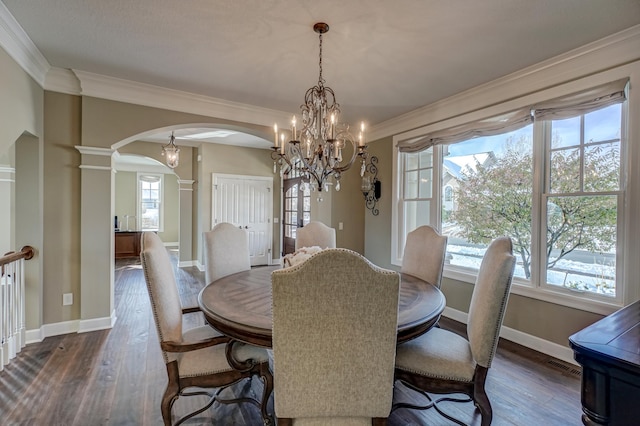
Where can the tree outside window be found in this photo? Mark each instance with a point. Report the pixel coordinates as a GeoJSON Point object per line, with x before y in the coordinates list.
{"type": "Point", "coordinates": [493, 192]}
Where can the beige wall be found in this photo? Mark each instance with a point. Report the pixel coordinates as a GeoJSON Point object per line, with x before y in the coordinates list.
{"type": "Point", "coordinates": [20, 103]}
{"type": "Point", "coordinates": [61, 206]}
{"type": "Point", "coordinates": [125, 199]}
{"type": "Point", "coordinates": [21, 129]}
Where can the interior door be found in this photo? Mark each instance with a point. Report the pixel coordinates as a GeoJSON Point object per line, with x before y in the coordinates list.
{"type": "Point", "coordinates": [245, 202]}
{"type": "Point", "coordinates": [258, 219]}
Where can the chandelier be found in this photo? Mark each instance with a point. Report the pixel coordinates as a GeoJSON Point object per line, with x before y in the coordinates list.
{"type": "Point", "coordinates": [315, 152]}
{"type": "Point", "coordinates": [171, 152]}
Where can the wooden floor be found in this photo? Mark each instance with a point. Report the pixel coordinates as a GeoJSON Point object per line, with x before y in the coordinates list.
{"type": "Point", "coordinates": [117, 377]}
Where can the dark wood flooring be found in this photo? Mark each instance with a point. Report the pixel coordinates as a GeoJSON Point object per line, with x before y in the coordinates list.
{"type": "Point", "coordinates": [117, 376]}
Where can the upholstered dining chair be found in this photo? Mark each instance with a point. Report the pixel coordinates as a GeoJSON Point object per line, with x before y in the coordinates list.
{"type": "Point", "coordinates": [315, 234]}
{"type": "Point", "coordinates": [443, 362]}
{"type": "Point", "coordinates": [195, 357]}
{"type": "Point", "coordinates": [226, 251]}
{"type": "Point", "coordinates": [334, 340]}
{"type": "Point", "coordinates": [424, 254]}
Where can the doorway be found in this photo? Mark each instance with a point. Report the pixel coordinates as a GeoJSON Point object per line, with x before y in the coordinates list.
{"type": "Point", "coordinates": [296, 209]}
{"type": "Point", "coordinates": [245, 202]}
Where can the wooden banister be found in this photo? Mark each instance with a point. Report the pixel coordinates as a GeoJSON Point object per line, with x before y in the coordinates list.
{"type": "Point", "coordinates": [26, 253]}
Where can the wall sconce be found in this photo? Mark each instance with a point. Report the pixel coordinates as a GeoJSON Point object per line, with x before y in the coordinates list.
{"type": "Point", "coordinates": [371, 185]}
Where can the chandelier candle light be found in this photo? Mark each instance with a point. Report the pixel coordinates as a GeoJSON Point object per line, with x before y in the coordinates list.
{"type": "Point", "coordinates": [316, 149]}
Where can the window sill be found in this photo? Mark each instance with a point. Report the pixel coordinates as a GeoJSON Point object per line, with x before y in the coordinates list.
{"type": "Point", "coordinates": [556, 297]}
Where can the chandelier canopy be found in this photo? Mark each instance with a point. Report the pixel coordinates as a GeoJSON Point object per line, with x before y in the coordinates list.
{"type": "Point", "coordinates": [171, 152]}
{"type": "Point", "coordinates": [316, 150]}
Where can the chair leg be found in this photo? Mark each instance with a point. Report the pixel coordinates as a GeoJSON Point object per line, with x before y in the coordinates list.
{"type": "Point", "coordinates": [480, 397]}
{"type": "Point", "coordinates": [267, 380]}
{"type": "Point", "coordinates": [170, 393]}
{"type": "Point", "coordinates": [379, 421]}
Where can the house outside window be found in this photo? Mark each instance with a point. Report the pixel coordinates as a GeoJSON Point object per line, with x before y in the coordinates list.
{"type": "Point", "coordinates": [554, 185]}
{"type": "Point", "coordinates": [150, 189]}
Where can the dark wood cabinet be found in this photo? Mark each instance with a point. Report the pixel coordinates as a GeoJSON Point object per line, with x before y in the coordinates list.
{"type": "Point", "coordinates": [127, 243]}
{"type": "Point", "coordinates": [609, 352]}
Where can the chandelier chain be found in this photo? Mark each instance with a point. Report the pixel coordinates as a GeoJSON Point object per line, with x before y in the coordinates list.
{"type": "Point", "coordinates": [320, 79]}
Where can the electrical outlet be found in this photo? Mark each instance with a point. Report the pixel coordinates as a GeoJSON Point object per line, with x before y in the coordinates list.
{"type": "Point", "coordinates": [340, 226]}
{"type": "Point", "coordinates": [67, 299]}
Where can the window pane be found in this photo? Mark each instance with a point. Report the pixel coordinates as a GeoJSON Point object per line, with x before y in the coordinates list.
{"type": "Point", "coordinates": [602, 167]}
{"type": "Point", "coordinates": [581, 243]}
{"type": "Point", "coordinates": [487, 191]}
{"type": "Point", "coordinates": [565, 133]}
{"type": "Point", "coordinates": [426, 183]}
{"type": "Point", "coordinates": [411, 185]}
{"type": "Point", "coordinates": [603, 124]}
{"type": "Point", "coordinates": [426, 158]}
{"type": "Point", "coordinates": [416, 213]}
{"type": "Point", "coordinates": [411, 161]}
{"type": "Point", "coordinates": [565, 171]}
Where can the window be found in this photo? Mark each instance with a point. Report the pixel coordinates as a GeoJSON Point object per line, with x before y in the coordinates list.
{"type": "Point", "coordinates": [554, 184]}
{"type": "Point", "coordinates": [582, 194]}
{"type": "Point", "coordinates": [418, 189]}
{"type": "Point", "coordinates": [150, 202]}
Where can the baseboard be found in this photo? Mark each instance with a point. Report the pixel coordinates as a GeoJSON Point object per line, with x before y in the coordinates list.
{"type": "Point", "coordinates": [172, 244]}
{"type": "Point", "coordinates": [276, 261]}
{"type": "Point", "coordinates": [186, 263]}
{"type": "Point", "coordinates": [67, 327]}
{"type": "Point", "coordinates": [96, 324]}
{"type": "Point", "coordinates": [546, 347]}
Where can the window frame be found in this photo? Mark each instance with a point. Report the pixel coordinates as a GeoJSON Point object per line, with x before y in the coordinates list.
{"type": "Point", "coordinates": [139, 201]}
{"type": "Point", "coordinates": [625, 291]}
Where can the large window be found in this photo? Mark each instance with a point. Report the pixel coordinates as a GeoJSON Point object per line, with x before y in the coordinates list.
{"type": "Point", "coordinates": [554, 185]}
{"type": "Point", "coordinates": [150, 202]}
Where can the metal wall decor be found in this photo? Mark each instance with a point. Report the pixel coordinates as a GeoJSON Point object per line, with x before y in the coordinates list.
{"type": "Point", "coordinates": [371, 185]}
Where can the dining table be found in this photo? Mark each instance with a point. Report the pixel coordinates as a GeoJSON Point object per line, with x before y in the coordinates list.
{"type": "Point", "coordinates": [239, 306]}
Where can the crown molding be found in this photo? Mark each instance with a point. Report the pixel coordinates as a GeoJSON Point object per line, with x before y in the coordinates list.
{"type": "Point", "coordinates": [19, 46]}
{"type": "Point", "coordinates": [612, 51]}
{"type": "Point", "coordinates": [116, 89]}
{"type": "Point", "coordinates": [62, 80]}
{"type": "Point", "coordinates": [93, 150]}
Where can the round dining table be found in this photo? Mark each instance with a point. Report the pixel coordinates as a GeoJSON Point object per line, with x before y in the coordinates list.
{"type": "Point", "coordinates": [239, 306]}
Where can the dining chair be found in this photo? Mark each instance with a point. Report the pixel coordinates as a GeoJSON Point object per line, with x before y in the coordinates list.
{"type": "Point", "coordinates": [424, 254]}
{"type": "Point", "coordinates": [334, 340]}
{"type": "Point", "coordinates": [315, 234]}
{"type": "Point", "coordinates": [226, 251]}
{"type": "Point", "coordinates": [195, 357]}
{"type": "Point", "coordinates": [443, 362]}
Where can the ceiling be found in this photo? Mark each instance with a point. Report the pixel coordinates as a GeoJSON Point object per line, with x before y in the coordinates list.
{"type": "Point", "coordinates": [382, 58]}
